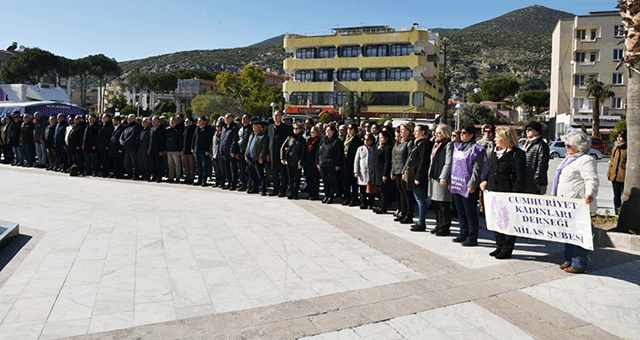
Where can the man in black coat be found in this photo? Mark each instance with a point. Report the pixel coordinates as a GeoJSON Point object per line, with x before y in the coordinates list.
{"type": "Point", "coordinates": [229, 151]}
{"type": "Point", "coordinates": [202, 140]}
{"type": "Point", "coordinates": [129, 141]}
{"type": "Point", "coordinates": [14, 139]}
{"type": "Point", "coordinates": [116, 152]}
{"type": "Point", "coordinates": [104, 139]}
{"type": "Point", "coordinates": [537, 152]}
{"type": "Point", "coordinates": [243, 138]}
{"type": "Point", "coordinates": [278, 133]}
{"type": "Point", "coordinates": [58, 140]}
{"type": "Point", "coordinates": [76, 139]}
{"type": "Point", "coordinates": [157, 149]}
{"type": "Point", "coordinates": [90, 145]}
{"type": "Point", "coordinates": [49, 143]}
{"type": "Point", "coordinates": [188, 159]}
{"type": "Point", "coordinates": [174, 146]}
{"type": "Point", "coordinates": [144, 161]}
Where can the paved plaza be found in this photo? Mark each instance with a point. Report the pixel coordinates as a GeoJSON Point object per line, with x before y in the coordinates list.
{"type": "Point", "coordinates": [115, 259]}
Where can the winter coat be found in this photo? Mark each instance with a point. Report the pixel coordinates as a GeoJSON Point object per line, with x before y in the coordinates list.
{"type": "Point", "coordinates": [510, 174]}
{"type": "Point", "coordinates": [261, 147]}
{"type": "Point", "coordinates": [76, 137]}
{"type": "Point", "coordinates": [244, 133]}
{"type": "Point", "coordinates": [90, 138]}
{"type": "Point", "coordinates": [440, 168]}
{"type": "Point", "coordinates": [382, 164]}
{"type": "Point", "coordinates": [311, 156]}
{"type": "Point", "coordinates": [277, 135]}
{"type": "Point", "coordinates": [538, 161]}
{"type": "Point", "coordinates": [417, 164]}
{"type": "Point", "coordinates": [115, 148]}
{"type": "Point", "coordinates": [104, 135]}
{"type": "Point", "coordinates": [202, 139]}
{"type": "Point", "coordinates": [144, 140]}
{"type": "Point", "coordinates": [215, 145]}
{"type": "Point", "coordinates": [49, 133]}
{"type": "Point", "coordinates": [14, 135]}
{"type": "Point", "coordinates": [187, 139]}
{"type": "Point", "coordinates": [229, 140]}
{"type": "Point", "coordinates": [579, 179]}
{"type": "Point", "coordinates": [330, 152]}
{"type": "Point", "coordinates": [157, 140]}
{"type": "Point", "coordinates": [293, 150]}
{"type": "Point", "coordinates": [618, 163]}
{"type": "Point", "coordinates": [173, 140]}
{"type": "Point", "coordinates": [26, 133]}
{"type": "Point", "coordinates": [130, 137]}
{"type": "Point", "coordinates": [350, 154]}
{"type": "Point", "coordinates": [38, 130]}
{"type": "Point", "coordinates": [61, 131]}
{"type": "Point", "coordinates": [400, 155]}
{"type": "Point", "coordinates": [362, 164]}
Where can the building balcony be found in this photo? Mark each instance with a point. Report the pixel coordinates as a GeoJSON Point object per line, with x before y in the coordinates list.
{"type": "Point", "coordinates": [427, 68]}
{"type": "Point", "coordinates": [292, 42]}
{"type": "Point", "coordinates": [587, 44]}
{"type": "Point", "coordinates": [585, 67]}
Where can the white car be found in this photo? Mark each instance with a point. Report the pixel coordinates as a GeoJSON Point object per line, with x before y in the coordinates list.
{"type": "Point", "coordinates": [557, 149]}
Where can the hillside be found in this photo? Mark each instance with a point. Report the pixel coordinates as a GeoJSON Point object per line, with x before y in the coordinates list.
{"type": "Point", "coordinates": [515, 42]}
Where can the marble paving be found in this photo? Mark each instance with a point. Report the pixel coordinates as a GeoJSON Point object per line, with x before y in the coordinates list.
{"type": "Point", "coordinates": [123, 259]}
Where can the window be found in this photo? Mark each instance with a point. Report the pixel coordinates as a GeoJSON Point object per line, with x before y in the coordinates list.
{"type": "Point", "coordinates": [327, 52]}
{"type": "Point", "coordinates": [400, 74]}
{"type": "Point", "coordinates": [617, 31]}
{"type": "Point", "coordinates": [341, 97]}
{"type": "Point", "coordinates": [306, 53]}
{"type": "Point", "coordinates": [317, 98]}
{"type": "Point", "coordinates": [594, 34]}
{"type": "Point", "coordinates": [324, 75]}
{"type": "Point", "coordinates": [593, 56]}
{"type": "Point", "coordinates": [390, 98]}
{"type": "Point", "coordinates": [582, 104]}
{"type": "Point", "coordinates": [616, 103]}
{"type": "Point", "coordinates": [376, 51]}
{"type": "Point", "coordinates": [305, 75]}
{"type": "Point", "coordinates": [418, 99]}
{"type": "Point", "coordinates": [350, 51]}
{"type": "Point", "coordinates": [617, 54]}
{"type": "Point", "coordinates": [375, 74]}
{"type": "Point", "coordinates": [581, 34]}
{"type": "Point", "coordinates": [349, 74]}
{"type": "Point", "coordinates": [580, 57]}
{"type": "Point", "coordinates": [617, 79]}
{"type": "Point", "coordinates": [398, 50]}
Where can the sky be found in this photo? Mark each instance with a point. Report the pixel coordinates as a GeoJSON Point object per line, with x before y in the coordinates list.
{"type": "Point", "coordinates": [136, 29]}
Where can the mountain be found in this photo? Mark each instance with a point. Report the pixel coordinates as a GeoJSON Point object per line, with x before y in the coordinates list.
{"type": "Point", "coordinates": [534, 19]}
{"type": "Point", "coordinates": [507, 45]}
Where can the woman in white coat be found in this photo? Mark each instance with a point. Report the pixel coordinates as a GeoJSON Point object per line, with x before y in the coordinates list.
{"type": "Point", "coordinates": [363, 169]}
{"type": "Point", "coordinates": [577, 177]}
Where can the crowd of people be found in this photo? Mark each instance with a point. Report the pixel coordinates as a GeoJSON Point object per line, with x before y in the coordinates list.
{"type": "Point", "coordinates": [365, 165]}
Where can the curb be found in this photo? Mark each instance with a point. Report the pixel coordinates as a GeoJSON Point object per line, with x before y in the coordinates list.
{"type": "Point", "coordinates": [617, 240]}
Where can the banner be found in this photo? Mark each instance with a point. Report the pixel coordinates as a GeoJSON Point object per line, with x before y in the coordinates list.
{"type": "Point", "coordinates": [556, 219]}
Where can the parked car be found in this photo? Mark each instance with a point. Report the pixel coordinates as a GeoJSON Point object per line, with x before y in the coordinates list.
{"type": "Point", "coordinates": [557, 149]}
{"type": "Point", "coordinates": [600, 145]}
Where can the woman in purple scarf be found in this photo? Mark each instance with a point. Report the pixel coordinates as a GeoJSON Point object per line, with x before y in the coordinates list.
{"type": "Point", "coordinates": [469, 169]}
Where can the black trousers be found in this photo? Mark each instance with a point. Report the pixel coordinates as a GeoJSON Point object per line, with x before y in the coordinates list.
{"type": "Point", "coordinates": [366, 200]}
{"type": "Point", "coordinates": [405, 197]}
{"type": "Point", "coordinates": [256, 173]}
{"type": "Point", "coordinates": [505, 242]}
{"type": "Point", "coordinates": [78, 160]}
{"type": "Point", "coordinates": [443, 214]}
{"type": "Point", "coordinates": [312, 176]}
{"type": "Point", "coordinates": [230, 170]}
{"type": "Point", "coordinates": [144, 165]}
{"type": "Point", "coordinates": [349, 185]}
{"type": "Point", "coordinates": [385, 192]}
{"type": "Point", "coordinates": [244, 170]}
{"type": "Point", "coordinates": [117, 164]}
{"type": "Point", "coordinates": [157, 166]}
{"type": "Point", "coordinates": [279, 177]}
{"type": "Point", "coordinates": [618, 189]}
{"type": "Point", "coordinates": [105, 162]}
{"type": "Point", "coordinates": [294, 174]}
{"type": "Point", "coordinates": [7, 152]}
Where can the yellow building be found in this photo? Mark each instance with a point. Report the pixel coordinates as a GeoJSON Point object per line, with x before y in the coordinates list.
{"type": "Point", "coordinates": [398, 67]}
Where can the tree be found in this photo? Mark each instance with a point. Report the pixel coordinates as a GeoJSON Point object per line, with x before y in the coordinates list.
{"type": "Point", "coordinates": [630, 214]}
{"type": "Point", "coordinates": [80, 68]}
{"type": "Point", "coordinates": [535, 98]}
{"type": "Point", "coordinates": [600, 92]}
{"type": "Point", "coordinates": [119, 103]}
{"type": "Point", "coordinates": [138, 82]}
{"type": "Point", "coordinates": [30, 66]}
{"type": "Point", "coordinates": [620, 126]}
{"type": "Point", "coordinates": [163, 82]}
{"type": "Point", "coordinates": [475, 98]}
{"type": "Point", "coordinates": [203, 105]}
{"type": "Point", "coordinates": [477, 114]}
{"type": "Point", "coordinates": [101, 68]}
{"type": "Point", "coordinates": [325, 118]}
{"type": "Point", "coordinates": [249, 90]}
{"type": "Point", "coordinates": [497, 89]}
{"type": "Point", "coordinates": [165, 106]}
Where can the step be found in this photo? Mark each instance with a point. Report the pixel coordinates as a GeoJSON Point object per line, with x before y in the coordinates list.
{"type": "Point", "coordinates": [8, 230]}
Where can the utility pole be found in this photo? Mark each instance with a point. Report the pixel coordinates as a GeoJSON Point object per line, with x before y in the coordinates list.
{"type": "Point", "coordinates": [445, 84]}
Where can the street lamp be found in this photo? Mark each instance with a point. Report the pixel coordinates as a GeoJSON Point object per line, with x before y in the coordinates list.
{"type": "Point", "coordinates": [273, 107]}
{"type": "Point", "coordinates": [457, 114]}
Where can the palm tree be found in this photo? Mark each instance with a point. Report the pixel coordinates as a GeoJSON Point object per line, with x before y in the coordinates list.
{"type": "Point", "coordinates": [630, 212]}
{"type": "Point", "coordinates": [600, 92]}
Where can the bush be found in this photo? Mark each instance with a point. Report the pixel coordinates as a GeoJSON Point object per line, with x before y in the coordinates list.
{"type": "Point", "coordinates": [325, 118]}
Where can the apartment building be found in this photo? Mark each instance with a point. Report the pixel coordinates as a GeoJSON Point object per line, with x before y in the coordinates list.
{"type": "Point", "coordinates": [399, 68]}
{"type": "Point", "coordinates": [583, 47]}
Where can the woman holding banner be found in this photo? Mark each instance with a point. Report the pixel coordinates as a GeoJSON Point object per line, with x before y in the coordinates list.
{"type": "Point", "coordinates": [509, 175]}
{"type": "Point", "coordinates": [576, 177]}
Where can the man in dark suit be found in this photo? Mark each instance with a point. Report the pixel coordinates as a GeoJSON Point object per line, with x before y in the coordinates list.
{"type": "Point", "coordinates": [229, 151]}
{"type": "Point", "coordinates": [90, 145]}
{"type": "Point", "coordinates": [278, 133]}
{"type": "Point", "coordinates": [129, 141]}
{"type": "Point", "coordinates": [157, 148]}
{"type": "Point", "coordinates": [202, 140]}
{"type": "Point", "coordinates": [104, 139]}
{"type": "Point", "coordinates": [116, 152]}
{"type": "Point", "coordinates": [144, 161]}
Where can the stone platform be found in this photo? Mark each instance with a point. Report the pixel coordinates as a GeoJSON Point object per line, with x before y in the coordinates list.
{"type": "Point", "coordinates": [8, 230]}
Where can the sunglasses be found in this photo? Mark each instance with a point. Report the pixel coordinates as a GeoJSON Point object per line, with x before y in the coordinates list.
{"type": "Point", "coordinates": [529, 129]}
{"type": "Point", "coordinates": [454, 135]}
{"type": "Point", "coordinates": [463, 133]}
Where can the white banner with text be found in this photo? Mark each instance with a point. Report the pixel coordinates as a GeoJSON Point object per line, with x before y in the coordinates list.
{"type": "Point", "coordinates": [556, 219]}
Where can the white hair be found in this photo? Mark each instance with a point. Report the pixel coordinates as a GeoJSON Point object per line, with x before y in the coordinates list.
{"type": "Point", "coordinates": [579, 139]}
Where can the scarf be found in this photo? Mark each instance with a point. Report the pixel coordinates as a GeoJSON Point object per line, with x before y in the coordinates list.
{"type": "Point", "coordinates": [530, 141]}
{"type": "Point", "coordinates": [570, 159]}
{"type": "Point", "coordinates": [347, 142]}
{"type": "Point", "coordinates": [312, 142]}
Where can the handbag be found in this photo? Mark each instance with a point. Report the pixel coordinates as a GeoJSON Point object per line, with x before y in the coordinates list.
{"type": "Point", "coordinates": [371, 188]}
